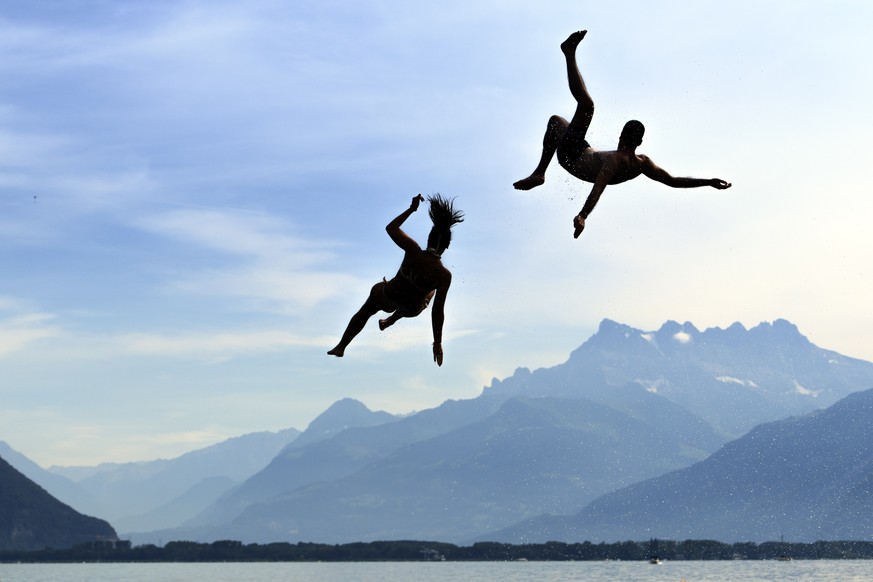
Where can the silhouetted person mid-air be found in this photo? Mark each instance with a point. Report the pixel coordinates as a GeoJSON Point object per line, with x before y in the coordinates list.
{"type": "Point", "coordinates": [600, 167]}
{"type": "Point", "coordinates": [421, 277]}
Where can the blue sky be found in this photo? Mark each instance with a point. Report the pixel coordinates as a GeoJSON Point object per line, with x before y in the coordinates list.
{"type": "Point", "coordinates": [193, 197]}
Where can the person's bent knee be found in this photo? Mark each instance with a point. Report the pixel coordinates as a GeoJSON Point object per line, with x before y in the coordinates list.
{"type": "Point", "coordinates": [558, 121]}
{"type": "Point", "coordinates": [377, 292]}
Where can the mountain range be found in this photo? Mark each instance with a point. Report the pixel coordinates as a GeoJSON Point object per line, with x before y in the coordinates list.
{"type": "Point", "coordinates": [627, 408]}
{"type": "Point", "coordinates": [732, 378]}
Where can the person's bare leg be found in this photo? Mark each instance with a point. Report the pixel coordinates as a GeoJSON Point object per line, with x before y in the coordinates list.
{"type": "Point", "coordinates": [554, 131]}
{"type": "Point", "coordinates": [558, 125]}
{"type": "Point", "coordinates": [389, 321]}
{"type": "Point", "coordinates": [584, 103]}
{"type": "Point", "coordinates": [356, 324]}
{"type": "Point", "coordinates": [397, 316]}
{"type": "Point", "coordinates": [358, 321]}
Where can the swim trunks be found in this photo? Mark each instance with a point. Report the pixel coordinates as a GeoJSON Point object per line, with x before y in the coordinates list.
{"type": "Point", "coordinates": [408, 306]}
{"type": "Point", "coordinates": [573, 141]}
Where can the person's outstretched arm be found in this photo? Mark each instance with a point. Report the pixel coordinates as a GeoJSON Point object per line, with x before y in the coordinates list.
{"type": "Point", "coordinates": [600, 184]}
{"type": "Point", "coordinates": [400, 238]}
{"type": "Point", "coordinates": [655, 172]}
{"type": "Point", "coordinates": [437, 316]}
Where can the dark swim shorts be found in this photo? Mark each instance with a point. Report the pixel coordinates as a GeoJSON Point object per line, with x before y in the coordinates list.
{"type": "Point", "coordinates": [573, 141]}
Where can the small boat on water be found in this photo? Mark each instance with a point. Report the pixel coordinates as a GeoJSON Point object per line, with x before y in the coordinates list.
{"type": "Point", "coordinates": [654, 560]}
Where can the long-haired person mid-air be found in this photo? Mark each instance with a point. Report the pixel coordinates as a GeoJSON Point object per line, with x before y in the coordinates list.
{"type": "Point", "coordinates": [421, 277]}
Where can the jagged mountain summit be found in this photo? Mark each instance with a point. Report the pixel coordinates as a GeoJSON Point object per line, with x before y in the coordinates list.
{"type": "Point", "coordinates": [31, 519]}
{"type": "Point", "coordinates": [805, 478]}
{"type": "Point", "coordinates": [627, 406]}
{"type": "Point", "coordinates": [733, 378]}
{"type": "Point", "coordinates": [341, 415]}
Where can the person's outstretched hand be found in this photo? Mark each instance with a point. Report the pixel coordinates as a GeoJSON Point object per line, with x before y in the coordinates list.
{"type": "Point", "coordinates": [416, 200]}
{"type": "Point", "coordinates": [719, 184]}
{"type": "Point", "coordinates": [438, 354]}
{"type": "Point", "coordinates": [579, 225]}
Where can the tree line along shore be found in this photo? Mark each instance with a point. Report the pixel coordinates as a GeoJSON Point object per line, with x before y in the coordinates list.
{"type": "Point", "coordinates": [235, 551]}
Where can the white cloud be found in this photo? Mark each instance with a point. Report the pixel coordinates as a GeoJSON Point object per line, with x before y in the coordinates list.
{"type": "Point", "coordinates": [222, 344]}
{"type": "Point", "coordinates": [8, 303]}
{"type": "Point", "coordinates": [136, 442]}
{"type": "Point", "coordinates": [25, 327]}
{"type": "Point", "coordinates": [283, 271]}
{"type": "Point", "coordinates": [236, 232]}
{"type": "Point", "coordinates": [20, 149]}
{"type": "Point", "coordinates": [55, 178]}
{"type": "Point", "coordinates": [682, 337]}
{"type": "Point", "coordinates": [271, 288]}
{"type": "Point", "coordinates": [20, 331]}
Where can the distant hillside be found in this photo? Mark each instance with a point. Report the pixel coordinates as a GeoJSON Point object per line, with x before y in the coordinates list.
{"type": "Point", "coordinates": [531, 455]}
{"type": "Point", "coordinates": [31, 519]}
{"type": "Point", "coordinates": [806, 478]}
{"type": "Point", "coordinates": [627, 406]}
{"type": "Point", "coordinates": [140, 495]}
{"type": "Point", "coordinates": [180, 508]}
{"type": "Point", "coordinates": [58, 486]}
{"type": "Point", "coordinates": [344, 453]}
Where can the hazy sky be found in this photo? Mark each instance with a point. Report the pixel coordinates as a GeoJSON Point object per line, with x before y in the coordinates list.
{"type": "Point", "coordinates": [193, 197]}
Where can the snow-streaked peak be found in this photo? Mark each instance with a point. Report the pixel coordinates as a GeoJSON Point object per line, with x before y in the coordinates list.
{"type": "Point", "coordinates": [682, 337]}
{"type": "Point", "coordinates": [732, 380]}
{"type": "Point", "coordinates": [805, 391]}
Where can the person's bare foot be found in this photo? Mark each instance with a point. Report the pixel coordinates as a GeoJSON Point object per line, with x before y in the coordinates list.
{"type": "Point", "coordinates": [531, 181]}
{"type": "Point", "coordinates": [385, 324]}
{"type": "Point", "coordinates": [337, 351]}
{"type": "Point", "coordinates": [569, 45]}
{"type": "Point", "coordinates": [579, 225]}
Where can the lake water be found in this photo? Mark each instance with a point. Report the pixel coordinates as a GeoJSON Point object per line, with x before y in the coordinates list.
{"type": "Point", "coordinates": [709, 571]}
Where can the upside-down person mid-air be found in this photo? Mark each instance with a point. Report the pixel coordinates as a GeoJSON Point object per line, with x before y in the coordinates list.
{"type": "Point", "coordinates": [600, 167]}
{"type": "Point", "coordinates": [421, 277]}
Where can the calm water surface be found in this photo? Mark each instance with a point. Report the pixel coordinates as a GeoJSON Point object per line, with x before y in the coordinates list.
{"type": "Point", "coordinates": [710, 571]}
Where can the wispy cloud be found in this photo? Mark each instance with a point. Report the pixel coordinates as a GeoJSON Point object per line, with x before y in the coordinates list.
{"type": "Point", "coordinates": [51, 179]}
{"type": "Point", "coordinates": [219, 345]}
{"type": "Point", "coordinates": [23, 327]}
{"type": "Point", "coordinates": [265, 262]}
{"type": "Point", "coordinates": [22, 330]}
{"type": "Point", "coordinates": [236, 233]}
